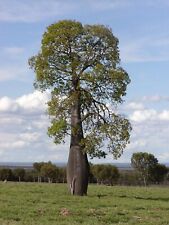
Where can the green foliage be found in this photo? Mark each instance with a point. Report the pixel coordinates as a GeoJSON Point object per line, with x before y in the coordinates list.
{"type": "Point", "coordinates": [37, 166]}
{"type": "Point", "coordinates": [62, 174]}
{"type": "Point", "coordinates": [19, 173]}
{"type": "Point", "coordinates": [58, 130]}
{"type": "Point", "coordinates": [105, 174]}
{"type": "Point", "coordinates": [159, 173]}
{"type": "Point", "coordinates": [5, 174]}
{"type": "Point", "coordinates": [30, 176]}
{"type": "Point", "coordinates": [145, 164]}
{"type": "Point", "coordinates": [129, 178]}
{"type": "Point", "coordinates": [81, 63]}
{"type": "Point", "coordinates": [49, 171]}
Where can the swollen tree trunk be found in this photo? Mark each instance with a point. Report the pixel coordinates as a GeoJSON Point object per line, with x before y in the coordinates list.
{"type": "Point", "coordinates": [77, 167]}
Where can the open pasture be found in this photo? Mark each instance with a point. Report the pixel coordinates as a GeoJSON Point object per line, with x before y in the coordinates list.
{"type": "Point", "coordinates": [50, 204]}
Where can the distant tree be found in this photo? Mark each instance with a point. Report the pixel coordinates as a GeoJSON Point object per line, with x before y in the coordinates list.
{"type": "Point", "coordinates": [49, 171]}
{"type": "Point", "coordinates": [31, 176]}
{"type": "Point", "coordinates": [129, 178]}
{"type": "Point", "coordinates": [62, 174]}
{"type": "Point", "coordinates": [92, 178]}
{"type": "Point", "coordinates": [97, 172]}
{"type": "Point", "coordinates": [111, 174]}
{"type": "Point", "coordinates": [144, 163]}
{"type": "Point", "coordinates": [159, 173]}
{"type": "Point", "coordinates": [37, 167]}
{"type": "Point", "coordinates": [6, 174]}
{"type": "Point", "coordinates": [19, 173]}
{"type": "Point", "coordinates": [81, 66]}
{"type": "Point", "coordinates": [107, 174]}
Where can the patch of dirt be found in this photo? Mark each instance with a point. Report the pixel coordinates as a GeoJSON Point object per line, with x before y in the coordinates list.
{"type": "Point", "coordinates": [64, 212]}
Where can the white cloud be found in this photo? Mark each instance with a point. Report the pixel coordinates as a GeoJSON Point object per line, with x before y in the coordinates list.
{"type": "Point", "coordinates": [17, 144]}
{"type": "Point", "coordinates": [149, 114]}
{"type": "Point", "coordinates": [10, 141]}
{"type": "Point", "coordinates": [34, 102]}
{"type": "Point", "coordinates": [33, 11]}
{"type": "Point", "coordinates": [135, 106]}
{"type": "Point", "coordinates": [155, 98]}
{"type": "Point", "coordinates": [135, 144]}
{"type": "Point", "coordinates": [148, 136]}
{"type": "Point", "coordinates": [30, 137]}
{"type": "Point", "coordinates": [164, 115]}
{"type": "Point", "coordinates": [6, 104]}
{"type": "Point", "coordinates": [164, 157]}
{"type": "Point", "coordinates": [41, 123]}
{"type": "Point", "coordinates": [23, 131]}
{"type": "Point", "coordinates": [143, 115]}
{"type": "Point", "coordinates": [6, 120]}
{"type": "Point", "coordinates": [150, 127]}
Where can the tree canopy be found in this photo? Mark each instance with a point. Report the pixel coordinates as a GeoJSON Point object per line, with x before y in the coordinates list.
{"type": "Point", "coordinates": [81, 63]}
{"type": "Point", "coordinates": [105, 174]}
{"type": "Point", "coordinates": [145, 163]}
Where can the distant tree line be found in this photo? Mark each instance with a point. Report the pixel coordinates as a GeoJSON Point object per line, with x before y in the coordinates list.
{"type": "Point", "coordinates": [146, 170]}
{"type": "Point", "coordinates": [41, 172]}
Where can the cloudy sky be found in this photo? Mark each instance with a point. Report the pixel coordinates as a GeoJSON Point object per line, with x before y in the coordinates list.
{"type": "Point", "coordinates": [142, 29]}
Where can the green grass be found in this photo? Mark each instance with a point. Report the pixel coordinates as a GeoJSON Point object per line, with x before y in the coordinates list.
{"type": "Point", "coordinates": [50, 204]}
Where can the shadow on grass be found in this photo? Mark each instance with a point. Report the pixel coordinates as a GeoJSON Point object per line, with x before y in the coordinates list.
{"type": "Point", "coordinates": [146, 198]}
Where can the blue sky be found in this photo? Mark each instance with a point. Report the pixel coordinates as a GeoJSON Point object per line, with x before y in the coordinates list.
{"type": "Point", "coordinates": [142, 30]}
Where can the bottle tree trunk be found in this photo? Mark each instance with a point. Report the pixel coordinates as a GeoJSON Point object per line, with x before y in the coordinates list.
{"type": "Point", "coordinates": [77, 167]}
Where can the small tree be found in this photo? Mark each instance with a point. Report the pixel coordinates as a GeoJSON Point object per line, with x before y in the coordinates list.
{"type": "Point", "coordinates": [80, 64]}
{"type": "Point", "coordinates": [37, 167]}
{"type": "Point", "coordinates": [5, 174]}
{"type": "Point", "coordinates": [113, 174]}
{"type": "Point", "coordinates": [144, 163]}
{"type": "Point", "coordinates": [159, 173]}
{"type": "Point", "coordinates": [62, 174]}
{"type": "Point", "coordinates": [49, 171]}
{"type": "Point", "coordinates": [97, 172]}
{"type": "Point", "coordinates": [30, 176]}
{"type": "Point", "coordinates": [19, 173]}
{"type": "Point", "coordinates": [129, 177]}
{"type": "Point", "coordinates": [107, 174]}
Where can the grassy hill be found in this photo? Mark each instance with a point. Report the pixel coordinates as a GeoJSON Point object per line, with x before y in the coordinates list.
{"type": "Point", "coordinates": [50, 204]}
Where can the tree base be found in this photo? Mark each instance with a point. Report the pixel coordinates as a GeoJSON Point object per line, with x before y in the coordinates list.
{"type": "Point", "coordinates": [77, 171]}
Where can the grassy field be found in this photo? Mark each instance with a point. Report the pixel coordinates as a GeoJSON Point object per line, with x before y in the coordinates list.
{"type": "Point", "coordinates": [50, 204]}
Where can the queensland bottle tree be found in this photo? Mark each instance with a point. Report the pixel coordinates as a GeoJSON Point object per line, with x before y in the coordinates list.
{"type": "Point", "coordinates": [80, 65]}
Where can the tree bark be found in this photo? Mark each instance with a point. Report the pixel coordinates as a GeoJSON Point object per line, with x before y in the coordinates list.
{"type": "Point", "coordinates": [77, 167]}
